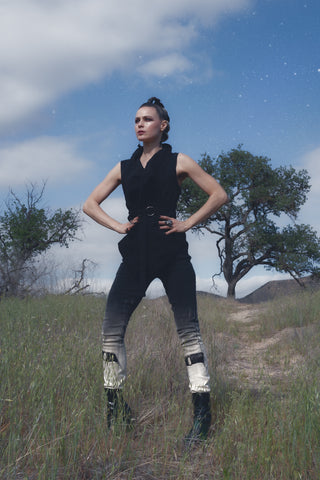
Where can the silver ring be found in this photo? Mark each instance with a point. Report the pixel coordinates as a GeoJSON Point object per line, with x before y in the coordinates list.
{"type": "Point", "coordinates": [169, 223]}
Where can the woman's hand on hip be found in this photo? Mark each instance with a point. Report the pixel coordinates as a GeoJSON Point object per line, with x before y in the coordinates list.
{"type": "Point", "coordinates": [126, 227]}
{"type": "Point", "coordinates": [172, 225]}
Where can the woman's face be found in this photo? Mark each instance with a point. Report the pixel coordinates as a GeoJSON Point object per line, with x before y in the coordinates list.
{"type": "Point", "coordinates": [148, 125]}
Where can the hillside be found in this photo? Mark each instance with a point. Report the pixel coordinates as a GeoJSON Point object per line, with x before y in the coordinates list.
{"type": "Point", "coordinates": [277, 288]}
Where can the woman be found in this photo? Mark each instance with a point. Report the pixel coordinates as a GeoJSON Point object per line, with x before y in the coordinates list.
{"type": "Point", "coordinates": [154, 246]}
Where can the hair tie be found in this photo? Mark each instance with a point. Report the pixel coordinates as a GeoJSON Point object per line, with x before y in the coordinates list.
{"type": "Point", "coordinates": [155, 101]}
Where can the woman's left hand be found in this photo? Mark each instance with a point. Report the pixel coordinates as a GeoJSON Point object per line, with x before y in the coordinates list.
{"type": "Point", "coordinates": [172, 225]}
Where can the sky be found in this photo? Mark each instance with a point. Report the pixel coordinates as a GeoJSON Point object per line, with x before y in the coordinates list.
{"type": "Point", "coordinates": [74, 72]}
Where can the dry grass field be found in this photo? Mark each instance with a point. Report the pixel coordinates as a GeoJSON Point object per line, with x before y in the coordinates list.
{"type": "Point", "coordinates": [265, 374]}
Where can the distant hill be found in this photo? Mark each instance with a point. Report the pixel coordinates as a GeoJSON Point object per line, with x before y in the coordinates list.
{"type": "Point", "coordinates": [268, 291]}
{"type": "Point", "coordinates": [277, 288]}
{"type": "Point", "coordinates": [200, 293]}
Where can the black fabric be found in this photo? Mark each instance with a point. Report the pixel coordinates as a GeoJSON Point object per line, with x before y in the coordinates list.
{"type": "Point", "coordinates": [156, 184]}
{"type": "Point", "coordinates": [150, 192]}
{"type": "Point", "coordinates": [149, 253]}
{"type": "Point", "coordinates": [109, 357]}
{"type": "Point", "coordinates": [124, 296]}
{"type": "Point", "coordinates": [194, 358]}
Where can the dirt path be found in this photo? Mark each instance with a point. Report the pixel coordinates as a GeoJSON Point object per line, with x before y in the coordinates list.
{"type": "Point", "coordinates": [257, 362]}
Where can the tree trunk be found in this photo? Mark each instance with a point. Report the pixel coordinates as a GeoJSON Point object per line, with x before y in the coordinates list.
{"type": "Point", "coordinates": [231, 290]}
{"type": "Point", "coordinates": [228, 263]}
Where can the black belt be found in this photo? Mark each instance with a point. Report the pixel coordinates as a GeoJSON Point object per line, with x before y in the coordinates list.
{"type": "Point", "coordinates": [150, 211]}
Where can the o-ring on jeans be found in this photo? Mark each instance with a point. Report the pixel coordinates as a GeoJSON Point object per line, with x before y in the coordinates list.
{"type": "Point", "coordinates": [179, 282]}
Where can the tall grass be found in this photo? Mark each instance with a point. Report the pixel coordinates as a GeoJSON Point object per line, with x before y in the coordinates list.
{"type": "Point", "coordinates": [53, 418]}
{"type": "Point", "coordinates": [297, 310]}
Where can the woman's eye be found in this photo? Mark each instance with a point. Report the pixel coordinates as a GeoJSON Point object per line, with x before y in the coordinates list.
{"type": "Point", "coordinates": [145, 119]}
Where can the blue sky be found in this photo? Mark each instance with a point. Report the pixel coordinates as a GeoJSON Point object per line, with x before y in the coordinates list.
{"type": "Point", "coordinates": [74, 72]}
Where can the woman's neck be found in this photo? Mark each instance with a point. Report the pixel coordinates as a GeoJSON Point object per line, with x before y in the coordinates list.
{"type": "Point", "coordinates": [148, 152]}
{"type": "Point", "coordinates": [151, 148]}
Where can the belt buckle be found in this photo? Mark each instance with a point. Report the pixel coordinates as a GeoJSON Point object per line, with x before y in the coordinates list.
{"type": "Point", "coordinates": [150, 211]}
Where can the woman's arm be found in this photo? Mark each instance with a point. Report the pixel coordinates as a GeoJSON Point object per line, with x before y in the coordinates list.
{"type": "Point", "coordinates": [187, 167]}
{"type": "Point", "coordinates": [92, 205]}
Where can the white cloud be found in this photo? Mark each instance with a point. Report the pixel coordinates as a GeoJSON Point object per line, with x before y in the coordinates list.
{"type": "Point", "coordinates": [43, 158]}
{"type": "Point", "coordinates": [310, 211]}
{"type": "Point", "coordinates": [247, 285]}
{"type": "Point", "coordinates": [166, 65]}
{"type": "Point", "coordinates": [99, 244]}
{"type": "Point", "coordinates": [311, 162]}
{"type": "Point", "coordinates": [50, 48]}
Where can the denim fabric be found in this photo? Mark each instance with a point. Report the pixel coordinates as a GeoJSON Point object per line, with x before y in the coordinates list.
{"type": "Point", "coordinates": [126, 293]}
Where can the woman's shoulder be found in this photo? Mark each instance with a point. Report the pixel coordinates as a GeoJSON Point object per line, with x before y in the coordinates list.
{"type": "Point", "coordinates": [184, 161]}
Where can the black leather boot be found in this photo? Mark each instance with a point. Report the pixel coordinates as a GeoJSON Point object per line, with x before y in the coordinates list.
{"type": "Point", "coordinates": [118, 413]}
{"type": "Point", "coordinates": [201, 419]}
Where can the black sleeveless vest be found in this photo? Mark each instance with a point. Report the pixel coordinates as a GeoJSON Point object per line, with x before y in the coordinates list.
{"type": "Point", "coordinates": [155, 185]}
{"type": "Point", "coordinates": [150, 192]}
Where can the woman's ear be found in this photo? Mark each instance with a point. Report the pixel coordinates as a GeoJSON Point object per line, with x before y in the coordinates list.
{"type": "Point", "coordinates": [163, 125]}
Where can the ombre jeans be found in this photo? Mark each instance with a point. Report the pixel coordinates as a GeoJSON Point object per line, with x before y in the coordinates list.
{"type": "Point", "coordinates": [128, 288]}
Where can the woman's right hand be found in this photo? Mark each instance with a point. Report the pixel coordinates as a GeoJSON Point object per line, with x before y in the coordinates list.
{"type": "Point", "coordinates": [126, 227]}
